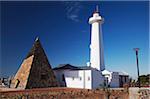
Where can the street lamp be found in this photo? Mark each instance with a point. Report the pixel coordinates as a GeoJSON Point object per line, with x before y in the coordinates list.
{"type": "Point", "coordinates": [137, 61]}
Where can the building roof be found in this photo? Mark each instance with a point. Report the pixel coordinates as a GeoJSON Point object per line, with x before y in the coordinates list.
{"type": "Point", "coordinates": [70, 67]}
{"type": "Point", "coordinates": [65, 66]}
{"type": "Point", "coordinates": [123, 74]}
{"type": "Point", "coordinates": [85, 68]}
{"type": "Point", "coordinates": [120, 73]}
{"type": "Point", "coordinates": [106, 72]}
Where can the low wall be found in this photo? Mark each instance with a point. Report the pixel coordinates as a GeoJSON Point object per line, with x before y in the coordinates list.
{"type": "Point", "coordinates": [63, 93]}
{"type": "Point", "coordinates": [139, 93]}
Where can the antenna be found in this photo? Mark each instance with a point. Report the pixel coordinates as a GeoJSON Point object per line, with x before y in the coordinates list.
{"type": "Point", "coordinates": [97, 8]}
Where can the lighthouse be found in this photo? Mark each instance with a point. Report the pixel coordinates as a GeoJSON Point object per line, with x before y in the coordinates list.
{"type": "Point", "coordinates": [96, 46]}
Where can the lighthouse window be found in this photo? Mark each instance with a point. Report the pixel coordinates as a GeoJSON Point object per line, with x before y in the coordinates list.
{"type": "Point", "coordinates": [72, 78]}
{"type": "Point", "coordinates": [80, 78]}
{"type": "Point", "coordinates": [88, 78]}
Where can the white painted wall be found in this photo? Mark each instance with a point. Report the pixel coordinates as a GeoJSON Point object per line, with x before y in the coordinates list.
{"type": "Point", "coordinates": [97, 79]}
{"type": "Point", "coordinates": [96, 47]}
{"type": "Point", "coordinates": [75, 78]}
{"type": "Point", "coordinates": [80, 81]}
{"type": "Point", "coordinates": [89, 79]}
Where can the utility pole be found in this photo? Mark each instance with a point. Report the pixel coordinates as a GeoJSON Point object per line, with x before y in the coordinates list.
{"type": "Point", "coordinates": [137, 61]}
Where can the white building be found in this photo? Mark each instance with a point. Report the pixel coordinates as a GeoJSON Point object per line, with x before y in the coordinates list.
{"type": "Point", "coordinates": [78, 77]}
{"type": "Point", "coordinates": [112, 78]}
{"type": "Point", "coordinates": [94, 75]}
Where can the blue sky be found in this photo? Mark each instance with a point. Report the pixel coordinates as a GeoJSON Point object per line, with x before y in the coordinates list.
{"type": "Point", "coordinates": [65, 33]}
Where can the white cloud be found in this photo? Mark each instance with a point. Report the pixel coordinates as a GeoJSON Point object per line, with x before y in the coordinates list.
{"type": "Point", "coordinates": [72, 10]}
{"type": "Point", "coordinates": [73, 17]}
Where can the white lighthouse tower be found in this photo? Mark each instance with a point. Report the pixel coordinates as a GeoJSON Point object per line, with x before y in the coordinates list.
{"type": "Point", "coordinates": [96, 47]}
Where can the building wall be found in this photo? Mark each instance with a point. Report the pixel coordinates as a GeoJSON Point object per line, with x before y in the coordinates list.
{"type": "Point", "coordinates": [96, 47]}
{"type": "Point", "coordinates": [75, 78]}
{"type": "Point", "coordinates": [123, 79]}
{"type": "Point", "coordinates": [79, 79]}
{"type": "Point", "coordinates": [89, 79]}
{"type": "Point", "coordinates": [114, 80]}
{"type": "Point", "coordinates": [97, 79]}
{"type": "Point", "coordinates": [59, 76]}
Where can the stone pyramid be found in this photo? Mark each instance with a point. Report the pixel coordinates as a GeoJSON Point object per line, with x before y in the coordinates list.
{"type": "Point", "coordinates": [35, 71]}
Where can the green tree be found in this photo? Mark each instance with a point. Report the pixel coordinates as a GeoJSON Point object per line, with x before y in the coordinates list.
{"type": "Point", "coordinates": [145, 80]}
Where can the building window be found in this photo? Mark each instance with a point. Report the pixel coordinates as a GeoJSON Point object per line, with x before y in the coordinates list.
{"type": "Point", "coordinates": [125, 79]}
{"type": "Point", "coordinates": [88, 78]}
{"type": "Point", "coordinates": [80, 78]}
{"type": "Point", "coordinates": [63, 77]}
{"type": "Point", "coordinates": [72, 78]}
